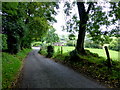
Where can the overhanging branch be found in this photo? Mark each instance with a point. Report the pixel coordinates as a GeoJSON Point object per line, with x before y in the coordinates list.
{"type": "Point", "coordinates": [90, 5]}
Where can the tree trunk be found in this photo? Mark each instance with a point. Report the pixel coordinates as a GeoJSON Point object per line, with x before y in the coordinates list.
{"type": "Point", "coordinates": [83, 15]}
{"type": "Point", "coordinates": [82, 26]}
{"type": "Point", "coordinates": [13, 44]}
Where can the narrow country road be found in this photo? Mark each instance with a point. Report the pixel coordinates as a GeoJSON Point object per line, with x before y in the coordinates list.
{"type": "Point", "coordinates": [40, 72]}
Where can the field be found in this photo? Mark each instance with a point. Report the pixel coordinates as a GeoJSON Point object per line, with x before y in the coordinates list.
{"type": "Point", "coordinates": [100, 52]}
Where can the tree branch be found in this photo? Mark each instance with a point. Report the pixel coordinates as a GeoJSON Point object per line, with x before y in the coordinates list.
{"type": "Point", "coordinates": [90, 5]}
{"type": "Point", "coordinates": [81, 9]}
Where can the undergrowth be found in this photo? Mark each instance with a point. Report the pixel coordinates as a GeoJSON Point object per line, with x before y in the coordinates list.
{"type": "Point", "coordinates": [11, 65]}
{"type": "Point", "coordinates": [92, 65]}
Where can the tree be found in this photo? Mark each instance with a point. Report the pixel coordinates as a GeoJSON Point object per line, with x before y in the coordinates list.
{"type": "Point", "coordinates": [38, 17]}
{"type": "Point", "coordinates": [12, 26]}
{"type": "Point", "coordinates": [115, 44]}
{"type": "Point", "coordinates": [103, 39]}
{"type": "Point", "coordinates": [25, 21]}
{"type": "Point", "coordinates": [72, 38]}
{"type": "Point", "coordinates": [83, 14]}
{"type": "Point", "coordinates": [91, 19]}
{"type": "Point", "coordinates": [51, 36]}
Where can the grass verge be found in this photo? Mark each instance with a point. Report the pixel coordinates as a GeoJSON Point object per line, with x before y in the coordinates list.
{"type": "Point", "coordinates": [91, 65]}
{"type": "Point", "coordinates": [101, 52]}
{"type": "Point", "coordinates": [11, 65]}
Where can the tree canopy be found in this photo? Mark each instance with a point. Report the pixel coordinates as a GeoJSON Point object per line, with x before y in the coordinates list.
{"type": "Point", "coordinates": [92, 16]}
{"type": "Point", "coordinates": [26, 21]}
{"type": "Point", "coordinates": [51, 36]}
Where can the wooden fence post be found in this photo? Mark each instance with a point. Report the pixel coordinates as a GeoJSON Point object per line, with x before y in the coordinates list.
{"type": "Point", "coordinates": [108, 57]}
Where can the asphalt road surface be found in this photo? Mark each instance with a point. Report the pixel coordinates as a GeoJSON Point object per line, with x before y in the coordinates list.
{"type": "Point", "coordinates": [41, 72]}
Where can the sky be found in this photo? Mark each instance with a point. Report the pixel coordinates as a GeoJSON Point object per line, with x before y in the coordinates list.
{"type": "Point", "coordinates": [61, 19]}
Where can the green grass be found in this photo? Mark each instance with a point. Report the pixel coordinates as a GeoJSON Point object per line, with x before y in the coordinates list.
{"type": "Point", "coordinates": [90, 64]}
{"type": "Point", "coordinates": [100, 52]}
{"type": "Point", "coordinates": [10, 67]}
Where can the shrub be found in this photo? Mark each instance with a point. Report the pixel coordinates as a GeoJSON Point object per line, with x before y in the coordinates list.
{"type": "Point", "coordinates": [74, 56]}
{"type": "Point", "coordinates": [3, 46]}
{"type": "Point", "coordinates": [43, 50]}
{"type": "Point", "coordinates": [91, 54]}
{"type": "Point", "coordinates": [92, 45]}
{"type": "Point", "coordinates": [61, 57]}
{"type": "Point", "coordinates": [50, 51]}
{"type": "Point", "coordinates": [70, 43]}
{"type": "Point", "coordinates": [115, 45]}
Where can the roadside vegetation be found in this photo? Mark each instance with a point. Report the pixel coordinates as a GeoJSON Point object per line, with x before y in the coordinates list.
{"type": "Point", "coordinates": [22, 24]}
{"type": "Point", "coordinates": [25, 23]}
{"type": "Point", "coordinates": [93, 64]}
{"type": "Point", "coordinates": [100, 52]}
{"type": "Point", "coordinates": [11, 66]}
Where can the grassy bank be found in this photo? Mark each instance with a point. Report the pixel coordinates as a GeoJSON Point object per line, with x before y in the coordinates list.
{"type": "Point", "coordinates": [100, 52]}
{"type": "Point", "coordinates": [91, 64]}
{"type": "Point", "coordinates": [11, 65]}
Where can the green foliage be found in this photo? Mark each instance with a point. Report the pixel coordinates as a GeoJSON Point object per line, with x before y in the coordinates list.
{"type": "Point", "coordinates": [89, 44]}
{"type": "Point", "coordinates": [97, 17]}
{"type": "Point", "coordinates": [72, 22]}
{"type": "Point", "coordinates": [26, 21]}
{"type": "Point", "coordinates": [51, 36]}
{"type": "Point", "coordinates": [61, 57]}
{"type": "Point", "coordinates": [10, 26]}
{"type": "Point", "coordinates": [36, 44]}
{"type": "Point", "coordinates": [50, 51]}
{"type": "Point", "coordinates": [74, 56]}
{"type": "Point", "coordinates": [115, 44]}
{"type": "Point", "coordinates": [10, 68]}
{"type": "Point", "coordinates": [43, 51]}
{"type": "Point", "coordinates": [11, 65]}
{"type": "Point", "coordinates": [71, 37]}
{"type": "Point", "coordinates": [58, 50]}
{"type": "Point", "coordinates": [100, 52]}
{"type": "Point", "coordinates": [92, 65]}
{"type": "Point", "coordinates": [22, 54]}
{"type": "Point", "coordinates": [4, 41]}
{"type": "Point", "coordinates": [70, 43]}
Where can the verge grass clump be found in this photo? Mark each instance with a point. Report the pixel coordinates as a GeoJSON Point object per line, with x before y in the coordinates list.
{"type": "Point", "coordinates": [43, 51]}
{"type": "Point", "coordinates": [96, 67]}
{"type": "Point", "coordinates": [22, 54]}
{"type": "Point", "coordinates": [11, 65]}
{"type": "Point", "coordinates": [91, 64]}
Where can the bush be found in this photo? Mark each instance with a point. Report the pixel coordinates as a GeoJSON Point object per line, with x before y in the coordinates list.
{"type": "Point", "coordinates": [74, 56]}
{"type": "Point", "coordinates": [92, 45]}
{"type": "Point", "coordinates": [11, 65]}
{"type": "Point", "coordinates": [3, 46]}
{"type": "Point", "coordinates": [22, 54]}
{"type": "Point", "coordinates": [70, 43]}
{"type": "Point", "coordinates": [50, 51]}
{"type": "Point", "coordinates": [43, 51]}
{"type": "Point", "coordinates": [115, 45]}
{"type": "Point", "coordinates": [61, 57]}
{"type": "Point", "coordinates": [91, 54]}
